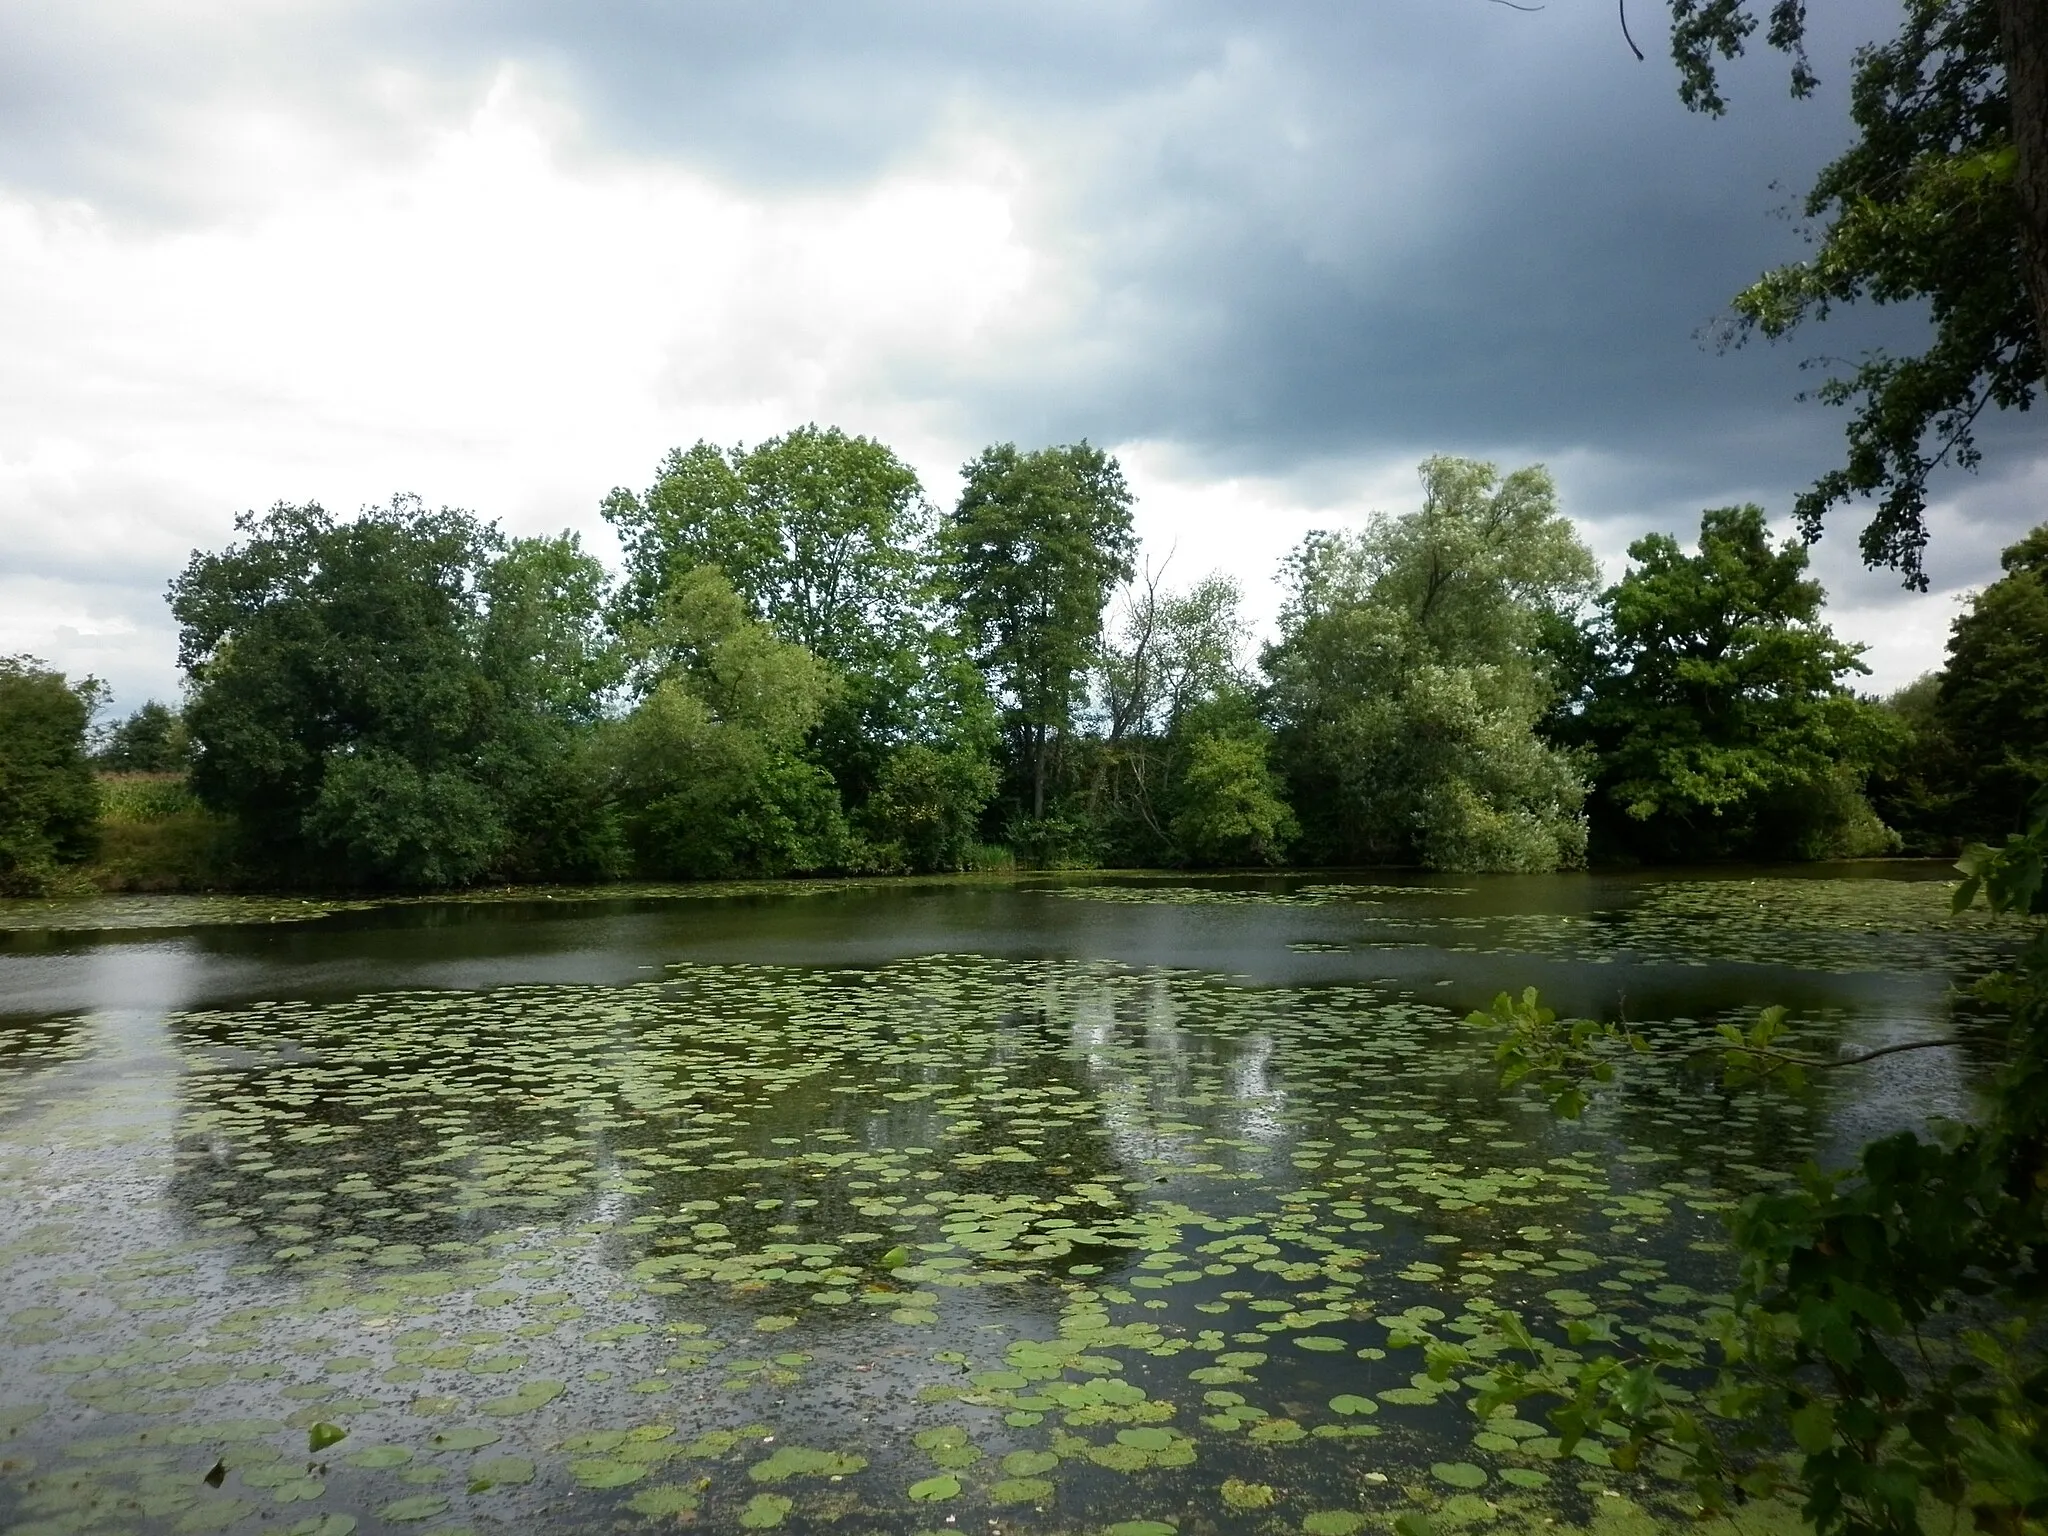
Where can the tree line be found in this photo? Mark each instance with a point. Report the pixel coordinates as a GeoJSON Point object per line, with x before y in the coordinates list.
{"type": "Point", "coordinates": [803, 666]}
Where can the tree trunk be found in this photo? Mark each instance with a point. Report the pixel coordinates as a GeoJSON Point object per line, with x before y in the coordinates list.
{"type": "Point", "coordinates": [2023, 32]}
{"type": "Point", "coordinates": [1038, 777]}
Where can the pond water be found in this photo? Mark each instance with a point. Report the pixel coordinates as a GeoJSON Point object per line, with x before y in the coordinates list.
{"type": "Point", "coordinates": [1045, 1204]}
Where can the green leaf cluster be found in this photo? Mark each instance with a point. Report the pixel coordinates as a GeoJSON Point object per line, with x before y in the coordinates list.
{"type": "Point", "coordinates": [49, 804]}
{"type": "Point", "coordinates": [395, 699]}
{"type": "Point", "coordinates": [1408, 680]}
{"type": "Point", "coordinates": [1717, 713]}
{"type": "Point", "coordinates": [1925, 208]}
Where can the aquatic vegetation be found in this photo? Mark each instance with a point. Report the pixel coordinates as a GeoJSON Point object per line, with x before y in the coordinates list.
{"type": "Point", "coordinates": [89, 914]}
{"type": "Point", "coordinates": [1806, 922]}
{"type": "Point", "coordinates": [1073, 1245]}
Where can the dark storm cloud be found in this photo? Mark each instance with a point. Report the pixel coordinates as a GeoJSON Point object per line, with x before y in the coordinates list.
{"type": "Point", "coordinates": [1309, 232]}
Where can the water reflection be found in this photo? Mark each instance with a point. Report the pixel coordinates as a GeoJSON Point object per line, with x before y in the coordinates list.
{"type": "Point", "coordinates": [972, 1173]}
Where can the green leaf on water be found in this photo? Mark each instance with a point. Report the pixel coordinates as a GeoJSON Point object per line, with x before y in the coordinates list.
{"type": "Point", "coordinates": [765, 1510]}
{"type": "Point", "coordinates": [421, 1506]}
{"type": "Point", "coordinates": [667, 1499]}
{"type": "Point", "coordinates": [463, 1439]}
{"type": "Point", "coordinates": [933, 1489]}
{"type": "Point", "coordinates": [495, 1470]}
{"type": "Point", "coordinates": [799, 1461]}
{"type": "Point", "coordinates": [322, 1435]}
{"type": "Point", "coordinates": [603, 1472]}
{"type": "Point", "coordinates": [1020, 1490]}
{"type": "Point", "coordinates": [532, 1396]}
{"type": "Point", "coordinates": [379, 1457]}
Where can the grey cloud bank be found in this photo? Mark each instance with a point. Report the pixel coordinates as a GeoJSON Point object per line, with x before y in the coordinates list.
{"type": "Point", "coordinates": [1297, 245]}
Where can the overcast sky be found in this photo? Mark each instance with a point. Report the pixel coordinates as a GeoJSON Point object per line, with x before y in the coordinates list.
{"type": "Point", "coordinates": [506, 253]}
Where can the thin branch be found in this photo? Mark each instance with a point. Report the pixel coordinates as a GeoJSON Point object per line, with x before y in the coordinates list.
{"type": "Point", "coordinates": [1819, 1064]}
{"type": "Point", "coordinates": [1510, 4]}
{"type": "Point", "coordinates": [1632, 48]}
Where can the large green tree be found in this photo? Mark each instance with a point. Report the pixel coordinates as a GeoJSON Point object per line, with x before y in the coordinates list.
{"type": "Point", "coordinates": [49, 804]}
{"type": "Point", "coordinates": [1408, 679]}
{"type": "Point", "coordinates": [708, 769]}
{"type": "Point", "coordinates": [390, 699]}
{"type": "Point", "coordinates": [1942, 203]}
{"type": "Point", "coordinates": [1181, 772]}
{"type": "Point", "coordinates": [1992, 707]}
{"type": "Point", "coordinates": [1721, 723]}
{"type": "Point", "coordinates": [823, 537]}
{"type": "Point", "coordinates": [1029, 558]}
{"type": "Point", "coordinates": [818, 532]}
{"type": "Point", "coordinates": [151, 740]}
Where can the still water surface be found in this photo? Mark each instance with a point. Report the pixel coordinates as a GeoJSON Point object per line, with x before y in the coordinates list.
{"type": "Point", "coordinates": [1048, 1204]}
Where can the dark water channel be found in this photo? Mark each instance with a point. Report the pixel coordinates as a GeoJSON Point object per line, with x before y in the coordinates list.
{"type": "Point", "coordinates": [1087, 1204]}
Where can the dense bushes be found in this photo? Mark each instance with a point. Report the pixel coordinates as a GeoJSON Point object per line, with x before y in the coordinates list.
{"type": "Point", "coordinates": [1408, 684]}
{"type": "Point", "coordinates": [1717, 714]}
{"type": "Point", "coordinates": [49, 805]}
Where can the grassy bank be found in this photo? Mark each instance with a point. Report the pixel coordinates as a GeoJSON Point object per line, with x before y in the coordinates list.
{"type": "Point", "coordinates": [154, 836]}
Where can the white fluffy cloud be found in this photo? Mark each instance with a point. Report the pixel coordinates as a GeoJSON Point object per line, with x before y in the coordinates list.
{"type": "Point", "coordinates": [484, 322]}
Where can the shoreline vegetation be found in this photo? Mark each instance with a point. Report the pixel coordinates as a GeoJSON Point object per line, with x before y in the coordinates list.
{"type": "Point", "coordinates": [802, 667]}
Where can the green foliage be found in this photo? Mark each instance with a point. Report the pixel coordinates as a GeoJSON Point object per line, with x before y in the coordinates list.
{"type": "Point", "coordinates": [1181, 772]}
{"type": "Point", "coordinates": [1993, 702]}
{"type": "Point", "coordinates": [49, 804]}
{"type": "Point", "coordinates": [1028, 559]}
{"type": "Point", "coordinates": [1408, 679]}
{"type": "Point", "coordinates": [1755, 1054]}
{"type": "Point", "coordinates": [708, 769]}
{"type": "Point", "coordinates": [926, 812]}
{"type": "Point", "coordinates": [817, 532]}
{"type": "Point", "coordinates": [155, 836]}
{"type": "Point", "coordinates": [1559, 1057]}
{"type": "Point", "coordinates": [823, 538]}
{"type": "Point", "coordinates": [1720, 723]}
{"type": "Point", "coordinates": [1888, 1319]}
{"type": "Point", "coordinates": [1914, 787]}
{"type": "Point", "coordinates": [383, 819]}
{"type": "Point", "coordinates": [1229, 808]}
{"type": "Point", "coordinates": [1924, 208]}
{"type": "Point", "coordinates": [151, 740]}
{"type": "Point", "coordinates": [394, 700]}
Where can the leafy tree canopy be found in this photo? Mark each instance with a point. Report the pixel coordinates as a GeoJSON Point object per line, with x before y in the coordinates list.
{"type": "Point", "coordinates": [1029, 557]}
{"type": "Point", "coordinates": [818, 533]}
{"type": "Point", "coordinates": [382, 699]}
{"type": "Point", "coordinates": [49, 804]}
{"type": "Point", "coordinates": [1408, 685]}
{"type": "Point", "coordinates": [1993, 700]}
{"type": "Point", "coordinates": [707, 770]}
{"type": "Point", "coordinates": [1182, 772]}
{"type": "Point", "coordinates": [1721, 724]}
{"type": "Point", "coordinates": [1942, 201]}
{"type": "Point", "coordinates": [151, 740]}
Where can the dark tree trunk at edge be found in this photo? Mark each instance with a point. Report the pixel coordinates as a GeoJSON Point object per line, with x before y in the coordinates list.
{"type": "Point", "coordinates": [2023, 31]}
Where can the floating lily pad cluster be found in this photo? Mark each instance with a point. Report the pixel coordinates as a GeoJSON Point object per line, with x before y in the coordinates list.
{"type": "Point", "coordinates": [950, 1241]}
{"type": "Point", "coordinates": [93, 914]}
{"type": "Point", "coordinates": [1811, 924]}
